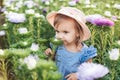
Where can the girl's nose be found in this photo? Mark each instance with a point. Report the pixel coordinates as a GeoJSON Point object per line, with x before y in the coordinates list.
{"type": "Point", "coordinates": [59, 36]}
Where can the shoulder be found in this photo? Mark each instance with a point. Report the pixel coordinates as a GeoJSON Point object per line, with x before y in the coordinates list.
{"type": "Point", "coordinates": [88, 52]}
{"type": "Point", "coordinates": [60, 49]}
{"type": "Point", "coordinates": [89, 48]}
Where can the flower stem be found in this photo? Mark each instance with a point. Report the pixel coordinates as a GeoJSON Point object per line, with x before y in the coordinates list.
{"type": "Point", "coordinates": [38, 30]}
{"type": "Point", "coordinates": [44, 75]}
{"type": "Point", "coordinates": [4, 69]}
{"type": "Point", "coordinates": [34, 75]}
{"type": "Point", "coordinates": [31, 25]}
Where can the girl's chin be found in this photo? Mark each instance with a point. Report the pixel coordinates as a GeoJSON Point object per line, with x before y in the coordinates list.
{"type": "Point", "coordinates": [65, 43]}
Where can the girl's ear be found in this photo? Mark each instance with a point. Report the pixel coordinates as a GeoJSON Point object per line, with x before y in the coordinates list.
{"type": "Point", "coordinates": [77, 35]}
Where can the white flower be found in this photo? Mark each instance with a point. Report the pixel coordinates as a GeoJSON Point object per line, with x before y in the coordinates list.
{"type": "Point", "coordinates": [1, 52]}
{"type": "Point", "coordinates": [91, 18]}
{"type": "Point", "coordinates": [47, 3]}
{"type": "Point", "coordinates": [118, 42]}
{"type": "Point", "coordinates": [91, 71]}
{"type": "Point", "coordinates": [42, 16]}
{"type": "Point", "coordinates": [40, 7]}
{"type": "Point", "coordinates": [7, 3]}
{"type": "Point", "coordinates": [22, 30]}
{"type": "Point", "coordinates": [29, 4]}
{"type": "Point", "coordinates": [117, 6]}
{"type": "Point", "coordinates": [90, 6]}
{"type": "Point", "coordinates": [114, 18]}
{"type": "Point", "coordinates": [12, 7]}
{"type": "Point", "coordinates": [16, 9]}
{"type": "Point", "coordinates": [6, 12]}
{"type": "Point", "coordinates": [34, 47]}
{"type": "Point", "coordinates": [3, 9]}
{"type": "Point", "coordinates": [55, 39]}
{"type": "Point", "coordinates": [72, 3]}
{"type": "Point", "coordinates": [87, 6]}
{"type": "Point", "coordinates": [2, 33]}
{"type": "Point", "coordinates": [114, 54]}
{"type": "Point", "coordinates": [30, 61]}
{"type": "Point", "coordinates": [30, 11]}
{"type": "Point", "coordinates": [93, 6]}
{"type": "Point", "coordinates": [4, 24]}
{"type": "Point", "coordinates": [107, 5]}
{"type": "Point", "coordinates": [19, 4]}
{"type": "Point", "coordinates": [25, 43]}
{"type": "Point", "coordinates": [87, 2]}
{"type": "Point", "coordinates": [37, 15]}
{"type": "Point", "coordinates": [108, 13]}
{"type": "Point", "coordinates": [16, 17]}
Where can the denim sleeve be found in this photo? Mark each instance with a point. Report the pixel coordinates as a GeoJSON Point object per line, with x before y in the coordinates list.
{"type": "Point", "coordinates": [89, 52]}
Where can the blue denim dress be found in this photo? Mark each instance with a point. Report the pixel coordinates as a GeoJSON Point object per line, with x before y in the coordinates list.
{"type": "Point", "coordinates": [68, 62]}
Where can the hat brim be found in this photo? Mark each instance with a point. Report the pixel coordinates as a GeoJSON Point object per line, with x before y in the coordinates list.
{"type": "Point", "coordinates": [51, 16]}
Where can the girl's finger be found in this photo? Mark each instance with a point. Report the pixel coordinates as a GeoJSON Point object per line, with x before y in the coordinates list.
{"type": "Point", "coordinates": [67, 76]}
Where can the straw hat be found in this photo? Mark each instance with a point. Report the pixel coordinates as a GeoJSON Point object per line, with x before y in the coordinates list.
{"type": "Point", "coordinates": [73, 13]}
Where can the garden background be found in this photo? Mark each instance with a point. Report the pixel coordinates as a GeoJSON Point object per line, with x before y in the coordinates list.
{"type": "Point", "coordinates": [25, 34]}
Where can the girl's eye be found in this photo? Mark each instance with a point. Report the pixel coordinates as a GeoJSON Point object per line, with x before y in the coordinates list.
{"type": "Point", "coordinates": [65, 32]}
{"type": "Point", "coordinates": [57, 31]}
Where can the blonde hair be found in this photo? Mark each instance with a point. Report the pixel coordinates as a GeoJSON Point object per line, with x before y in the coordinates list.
{"type": "Point", "coordinates": [58, 19]}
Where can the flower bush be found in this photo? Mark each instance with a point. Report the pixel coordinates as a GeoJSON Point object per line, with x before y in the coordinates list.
{"type": "Point", "coordinates": [26, 34]}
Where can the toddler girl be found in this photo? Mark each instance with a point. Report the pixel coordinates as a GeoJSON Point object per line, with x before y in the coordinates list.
{"type": "Point", "coordinates": [70, 27]}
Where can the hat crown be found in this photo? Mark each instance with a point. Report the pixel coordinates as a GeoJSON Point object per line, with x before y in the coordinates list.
{"type": "Point", "coordinates": [73, 12]}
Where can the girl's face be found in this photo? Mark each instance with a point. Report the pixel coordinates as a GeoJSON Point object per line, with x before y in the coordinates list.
{"type": "Point", "coordinates": [65, 31]}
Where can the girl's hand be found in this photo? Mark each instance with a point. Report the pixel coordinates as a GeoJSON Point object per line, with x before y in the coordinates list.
{"type": "Point", "coordinates": [72, 76]}
{"type": "Point", "coordinates": [48, 51]}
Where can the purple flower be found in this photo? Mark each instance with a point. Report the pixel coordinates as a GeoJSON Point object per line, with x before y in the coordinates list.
{"type": "Point", "coordinates": [103, 22]}
{"type": "Point", "coordinates": [76, 1]}
{"type": "Point", "coordinates": [91, 18]}
{"type": "Point", "coordinates": [99, 20]}
{"type": "Point", "coordinates": [45, 1]}
{"type": "Point", "coordinates": [44, 10]}
{"type": "Point", "coordinates": [91, 71]}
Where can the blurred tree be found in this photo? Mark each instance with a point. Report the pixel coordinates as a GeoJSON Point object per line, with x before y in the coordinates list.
{"type": "Point", "coordinates": [1, 5]}
{"type": "Point", "coordinates": [2, 21]}
{"type": "Point", "coordinates": [1, 16]}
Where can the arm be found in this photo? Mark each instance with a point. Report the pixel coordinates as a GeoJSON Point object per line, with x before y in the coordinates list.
{"type": "Point", "coordinates": [89, 60]}
{"type": "Point", "coordinates": [50, 54]}
{"type": "Point", "coordinates": [73, 76]}
{"type": "Point", "coordinates": [48, 51]}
